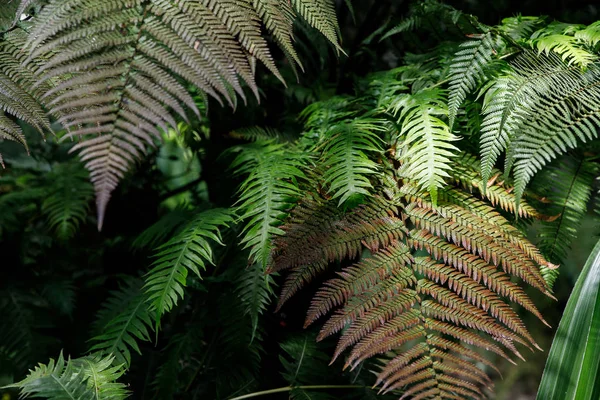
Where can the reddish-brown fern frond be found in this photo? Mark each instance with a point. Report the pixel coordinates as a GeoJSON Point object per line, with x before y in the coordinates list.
{"type": "Point", "coordinates": [420, 308]}
{"type": "Point", "coordinates": [318, 233]}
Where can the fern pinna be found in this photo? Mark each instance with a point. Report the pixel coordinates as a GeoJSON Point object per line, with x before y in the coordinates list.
{"type": "Point", "coordinates": [429, 281]}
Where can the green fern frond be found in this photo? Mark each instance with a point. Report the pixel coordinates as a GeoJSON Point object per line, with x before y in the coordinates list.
{"type": "Point", "coordinates": [271, 186]}
{"type": "Point", "coordinates": [567, 47]}
{"type": "Point", "coordinates": [61, 294]}
{"type": "Point", "coordinates": [422, 12]}
{"type": "Point", "coordinates": [572, 180]}
{"type": "Point", "coordinates": [237, 343]}
{"type": "Point", "coordinates": [424, 143]}
{"type": "Point", "coordinates": [123, 320]}
{"type": "Point", "coordinates": [590, 35]}
{"type": "Point", "coordinates": [521, 27]}
{"type": "Point", "coordinates": [467, 70]}
{"type": "Point", "coordinates": [539, 111]}
{"type": "Point", "coordinates": [255, 291]}
{"type": "Point", "coordinates": [304, 363]}
{"type": "Point", "coordinates": [17, 338]}
{"type": "Point", "coordinates": [68, 202]}
{"type": "Point", "coordinates": [168, 225]}
{"type": "Point", "coordinates": [87, 378]}
{"type": "Point", "coordinates": [536, 112]}
{"type": "Point", "coordinates": [8, 14]}
{"type": "Point", "coordinates": [345, 157]}
{"type": "Point", "coordinates": [256, 133]}
{"type": "Point", "coordinates": [189, 250]}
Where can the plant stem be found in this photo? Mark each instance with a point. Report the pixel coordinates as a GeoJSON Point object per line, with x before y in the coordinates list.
{"type": "Point", "coordinates": [290, 388]}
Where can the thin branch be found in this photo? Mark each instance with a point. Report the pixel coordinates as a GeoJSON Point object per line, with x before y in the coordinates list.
{"type": "Point", "coordinates": [290, 388]}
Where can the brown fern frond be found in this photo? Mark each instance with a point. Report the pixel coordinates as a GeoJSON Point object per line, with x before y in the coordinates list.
{"type": "Point", "coordinates": [318, 231]}
{"type": "Point", "coordinates": [417, 310]}
{"type": "Point", "coordinates": [119, 65]}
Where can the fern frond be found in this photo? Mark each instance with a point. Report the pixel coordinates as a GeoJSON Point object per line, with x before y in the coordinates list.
{"type": "Point", "coordinates": [304, 363]}
{"type": "Point", "coordinates": [142, 49]}
{"type": "Point", "coordinates": [189, 250]}
{"type": "Point", "coordinates": [268, 191]}
{"type": "Point", "coordinates": [521, 27]}
{"type": "Point", "coordinates": [572, 180]}
{"type": "Point", "coordinates": [17, 338]}
{"type": "Point", "coordinates": [425, 147]}
{"type": "Point", "coordinates": [421, 12]}
{"type": "Point", "coordinates": [87, 378]}
{"type": "Point", "coordinates": [256, 133]}
{"type": "Point", "coordinates": [590, 35]}
{"type": "Point", "coordinates": [123, 320]}
{"type": "Point", "coordinates": [68, 202]}
{"type": "Point", "coordinates": [345, 157]}
{"type": "Point", "coordinates": [255, 291]}
{"type": "Point", "coordinates": [177, 355]}
{"type": "Point", "coordinates": [537, 111]}
{"type": "Point", "coordinates": [8, 14]}
{"type": "Point", "coordinates": [418, 296]}
{"type": "Point", "coordinates": [567, 47]}
{"type": "Point", "coordinates": [318, 233]}
{"type": "Point", "coordinates": [320, 14]}
{"type": "Point", "coordinates": [467, 70]}
{"type": "Point", "coordinates": [17, 95]}
{"type": "Point", "coordinates": [168, 225]}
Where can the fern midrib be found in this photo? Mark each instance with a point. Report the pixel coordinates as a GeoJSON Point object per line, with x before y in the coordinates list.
{"type": "Point", "coordinates": [127, 73]}
{"type": "Point", "coordinates": [65, 389]}
{"type": "Point", "coordinates": [268, 220]}
{"type": "Point", "coordinates": [94, 378]}
{"type": "Point", "coordinates": [171, 277]}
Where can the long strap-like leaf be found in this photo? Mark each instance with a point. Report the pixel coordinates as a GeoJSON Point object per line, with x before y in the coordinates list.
{"type": "Point", "coordinates": [573, 366]}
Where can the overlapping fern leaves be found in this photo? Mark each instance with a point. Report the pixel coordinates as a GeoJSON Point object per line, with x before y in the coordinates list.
{"type": "Point", "coordinates": [86, 378]}
{"type": "Point", "coordinates": [423, 308]}
{"type": "Point", "coordinates": [273, 171]}
{"type": "Point", "coordinates": [117, 67]}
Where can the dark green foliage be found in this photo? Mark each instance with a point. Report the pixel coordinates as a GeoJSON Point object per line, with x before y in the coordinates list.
{"type": "Point", "coordinates": [369, 185]}
{"type": "Point", "coordinates": [124, 319]}
{"type": "Point", "coordinates": [566, 201]}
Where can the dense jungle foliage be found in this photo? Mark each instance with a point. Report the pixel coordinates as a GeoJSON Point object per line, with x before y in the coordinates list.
{"type": "Point", "coordinates": [305, 199]}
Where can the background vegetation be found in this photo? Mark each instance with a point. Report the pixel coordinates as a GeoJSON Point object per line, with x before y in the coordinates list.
{"type": "Point", "coordinates": [66, 286]}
